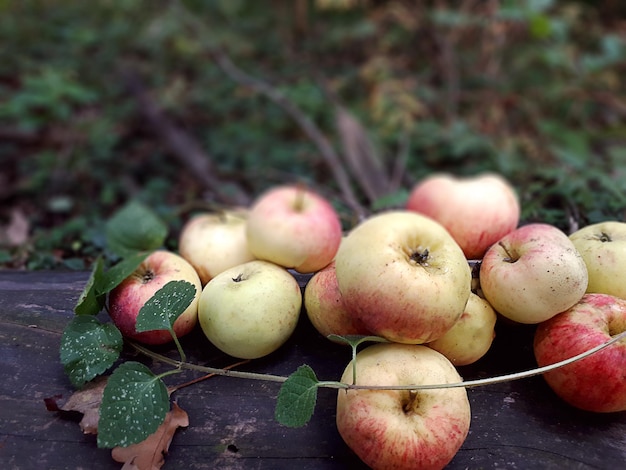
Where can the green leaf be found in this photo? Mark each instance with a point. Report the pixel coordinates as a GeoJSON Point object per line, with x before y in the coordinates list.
{"type": "Point", "coordinates": [134, 404]}
{"type": "Point", "coordinates": [118, 272]}
{"type": "Point", "coordinates": [91, 301]}
{"type": "Point", "coordinates": [133, 228]}
{"type": "Point", "coordinates": [297, 398]}
{"type": "Point", "coordinates": [165, 306]}
{"type": "Point", "coordinates": [88, 348]}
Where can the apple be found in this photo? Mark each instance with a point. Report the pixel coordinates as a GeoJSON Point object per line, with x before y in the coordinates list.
{"type": "Point", "coordinates": [324, 306]}
{"type": "Point", "coordinates": [403, 276]}
{"type": "Point", "coordinates": [126, 300]}
{"type": "Point", "coordinates": [471, 336]}
{"type": "Point", "coordinates": [249, 311]}
{"type": "Point", "coordinates": [533, 273]}
{"type": "Point", "coordinates": [213, 242]}
{"type": "Point", "coordinates": [403, 429]}
{"type": "Point", "coordinates": [598, 382]}
{"type": "Point", "coordinates": [603, 247]}
{"type": "Point", "coordinates": [477, 210]}
{"type": "Point", "coordinates": [294, 227]}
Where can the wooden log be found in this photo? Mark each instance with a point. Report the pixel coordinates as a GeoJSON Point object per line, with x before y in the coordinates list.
{"type": "Point", "coordinates": [519, 424]}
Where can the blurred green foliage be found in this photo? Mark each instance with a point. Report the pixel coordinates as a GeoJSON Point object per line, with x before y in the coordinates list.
{"type": "Point", "coordinates": [530, 89]}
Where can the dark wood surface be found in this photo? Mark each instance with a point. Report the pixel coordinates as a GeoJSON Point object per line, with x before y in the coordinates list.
{"type": "Point", "coordinates": [515, 425]}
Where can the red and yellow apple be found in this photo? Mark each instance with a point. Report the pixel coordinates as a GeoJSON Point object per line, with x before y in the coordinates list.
{"type": "Point", "coordinates": [533, 273]}
{"type": "Point", "coordinates": [250, 310]}
{"type": "Point", "coordinates": [403, 277]}
{"type": "Point", "coordinates": [603, 247]}
{"type": "Point", "coordinates": [294, 227]}
{"type": "Point", "coordinates": [325, 308]}
{"type": "Point", "coordinates": [127, 299]}
{"type": "Point", "coordinates": [598, 382]}
{"type": "Point", "coordinates": [471, 336]}
{"type": "Point", "coordinates": [403, 429]}
{"type": "Point", "coordinates": [214, 242]}
{"type": "Point", "coordinates": [477, 211]}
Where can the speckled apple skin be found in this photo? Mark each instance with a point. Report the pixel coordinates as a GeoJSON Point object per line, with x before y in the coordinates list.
{"type": "Point", "coordinates": [391, 429]}
{"type": "Point", "coordinates": [598, 382]}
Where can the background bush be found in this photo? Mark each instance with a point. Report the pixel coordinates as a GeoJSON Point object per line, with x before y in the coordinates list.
{"type": "Point", "coordinates": [530, 89]}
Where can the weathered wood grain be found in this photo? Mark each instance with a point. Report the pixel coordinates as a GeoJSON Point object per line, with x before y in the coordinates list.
{"type": "Point", "coordinates": [519, 424]}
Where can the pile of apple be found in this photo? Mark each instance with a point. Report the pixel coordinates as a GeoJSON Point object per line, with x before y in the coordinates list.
{"type": "Point", "coordinates": [407, 276]}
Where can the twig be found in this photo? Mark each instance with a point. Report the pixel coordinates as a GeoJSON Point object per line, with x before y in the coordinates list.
{"type": "Point", "coordinates": [360, 155]}
{"type": "Point", "coordinates": [311, 130]}
{"type": "Point", "coordinates": [175, 388]}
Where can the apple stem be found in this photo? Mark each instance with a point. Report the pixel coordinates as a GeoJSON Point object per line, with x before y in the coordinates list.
{"type": "Point", "coordinates": [300, 193]}
{"type": "Point", "coordinates": [146, 276]}
{"type": "Point", "coordinates": [421, 258]}
{"type": "Point", "coordinates": [410, 405]}
{"type": "Point", "coordinates": [509, 257]}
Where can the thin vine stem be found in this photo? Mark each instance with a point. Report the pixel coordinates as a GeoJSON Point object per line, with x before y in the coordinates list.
{"type": "Point", "coordinates": [346, 386]}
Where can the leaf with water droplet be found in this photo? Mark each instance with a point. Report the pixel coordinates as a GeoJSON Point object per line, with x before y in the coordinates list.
{"type": "Point", "coordinates": [88, 348]}
{"type": "Point", "coordinates": [297, 398]}
{"type": "Point", "coordinates": [111, 278]}
{"type": "Point", "coordinates": [165, 306]}
{"type": "Point", "coordinates": [134, 404]}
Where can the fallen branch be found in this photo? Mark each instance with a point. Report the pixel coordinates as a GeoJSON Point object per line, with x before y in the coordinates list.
{"type": "Point", "coordinates": [184, 147]}
{"type": "Point", "coordinates": [311, 130]}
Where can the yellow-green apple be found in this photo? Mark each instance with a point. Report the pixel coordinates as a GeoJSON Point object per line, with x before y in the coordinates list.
{"type": "Point", "coordinates": [533, 273]}
{"type": "Point", "coordinates": [249, 311]}
{"type": "Point", "coordinates": [294, 227]}
{"type": "Point", "coordinates": [471, 336]}
{"type": "Point", "coordinates": [403, 276]}
{"type": "Point", "coordinates": [603, 247]}
{"type": "Point", "coordinates": [213, 242]}
{"type": "Point", "coordinates": [325, 308]}
{"type": "Point", "coordinates": [403, 429]}
{"type": "Point", "coordinates": [477, 210]}
{"type": "Point", "coordinates": [598, 382]}
{"type": "Point", "coordinates": [126, 300]}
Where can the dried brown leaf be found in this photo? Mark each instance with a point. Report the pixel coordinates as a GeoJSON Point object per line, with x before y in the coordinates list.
{"type": "Point", "coordinates": [87, 401]}
{"type": "Point", "coordinates": [150, 453]}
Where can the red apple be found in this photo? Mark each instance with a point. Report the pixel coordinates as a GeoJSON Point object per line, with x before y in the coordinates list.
{"type": "Point", "coordinates": [403, 429]}
{"type": "Point", "coordinates": [294, 227]}
{"type": "Point", "coordinates": [325, 308]}
{"type": "Point", "coordinates": [598, 382]}
{"type": "Point", "coordinates": [477, 211]}
{"type": "Point", "coordinates": [153, 273]}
